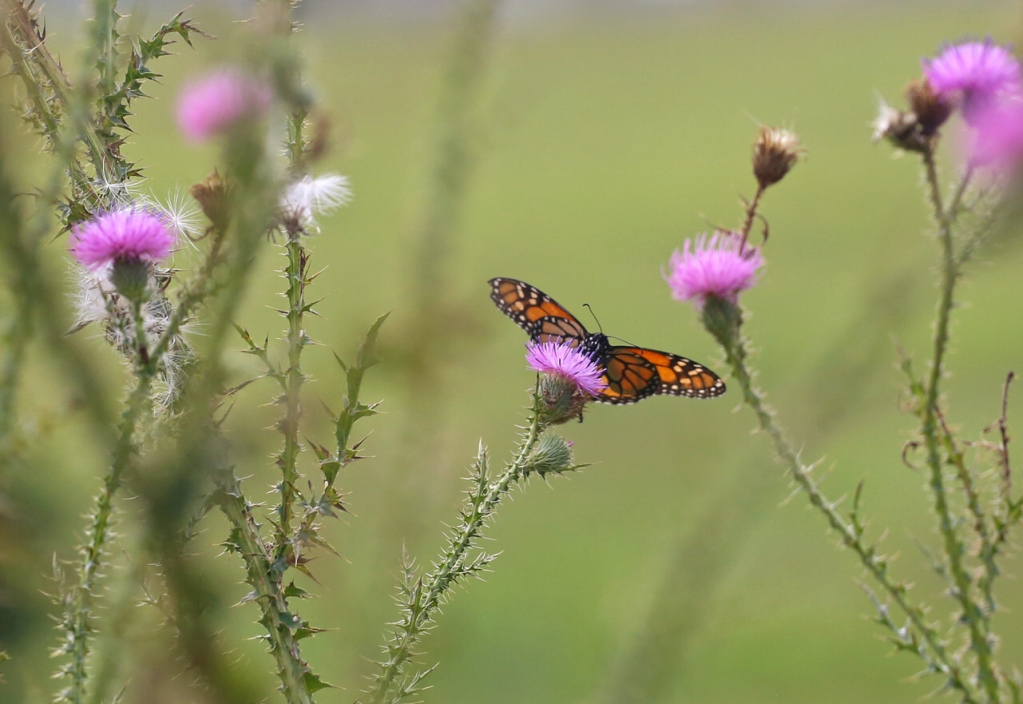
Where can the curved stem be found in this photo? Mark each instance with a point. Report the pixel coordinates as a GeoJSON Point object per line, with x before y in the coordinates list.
{"type": "Point", "coordinates": [851, 533]}
{"type": "Point", "coordinates": [973, 616]}
{"type": "Point", "coordinates": [80, 606]}
{"type": "Point", "coordinates": [427, 595]}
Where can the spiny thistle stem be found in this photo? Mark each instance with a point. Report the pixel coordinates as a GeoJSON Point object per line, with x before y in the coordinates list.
{"type": "Point", "coordinates": [751, 213]}
{"type": "Point", "coordinates": [428, 594]}
{"type": "Point", "coordinates": [973, 615]}
{"type": "Point", "coordinates": [851, 534]}
{"type": "Point", "coordinates": [73, 106]}
{"type": "Point", "coordinates": [93, 553]}
{"type": "Point", "coordinates": [19, 245]}
{"type": "Point", "coordinates": [279, 623]}
{"type": "Point", "coordinates": [104, 36]}
{"type": "Point", "coordinates": [40, 105]}
{"type": "Point", "coordinates": [190, 297]}
{"type": "Point", "coordinates": [295, 273]}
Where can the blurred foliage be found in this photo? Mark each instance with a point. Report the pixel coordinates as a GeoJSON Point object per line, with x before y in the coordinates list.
{"type": "Point", "coordinates": [606, 142]}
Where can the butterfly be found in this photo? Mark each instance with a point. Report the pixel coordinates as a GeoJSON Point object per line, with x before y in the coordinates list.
{"type": "Point", "coordinates": [631, 373]}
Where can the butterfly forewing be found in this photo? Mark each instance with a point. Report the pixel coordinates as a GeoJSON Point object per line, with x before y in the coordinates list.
{"type": "Point", "coordinates": [535, 312]}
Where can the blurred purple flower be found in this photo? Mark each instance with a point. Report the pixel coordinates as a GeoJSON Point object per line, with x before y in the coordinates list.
{"type": "Point", "coordinates": [720, 266]}
{"type": "Point", "coordinates": [976, 74]}
{"type": "Point", "coordinates": [570, 364]}
{"type": "Point", "coordinates": [996, 140]}
{"type": "Point", "coordinates": [120, 235]}
{"type": "Point", "coordinates": [215, 103]}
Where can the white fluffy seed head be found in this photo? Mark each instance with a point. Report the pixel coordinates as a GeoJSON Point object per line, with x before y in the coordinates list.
{"type": "Point", "coordinates": [310, 196]}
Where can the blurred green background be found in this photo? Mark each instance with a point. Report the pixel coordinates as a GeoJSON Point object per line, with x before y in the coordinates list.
{"type": "Point", "coordinates": [602, 140]}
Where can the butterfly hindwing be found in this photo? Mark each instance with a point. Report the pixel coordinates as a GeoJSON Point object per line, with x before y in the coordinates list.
{"type": "Point", "coordinates": [537, 313]}
{"type": "Point", "coordinates": [634, 373]}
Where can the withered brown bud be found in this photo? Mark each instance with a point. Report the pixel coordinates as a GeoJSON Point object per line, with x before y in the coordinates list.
{"type": "Point", "coordinates": [212, 194]}
{"type": "Point", "coordinates": [901, 128]}
{"type": "Point", "coordinates": [931, 109]}
{"type": "Point", "coordinates": [775, 152]}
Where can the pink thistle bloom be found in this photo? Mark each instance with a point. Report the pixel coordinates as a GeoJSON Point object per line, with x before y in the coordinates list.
{"type": "Point", "coordinates": [997, 139]}
{"type": "Point", "coordinates": [120, 235]}
{"type": "Point", "coordinates": [720, 266]}
{"type": "Point", "coordinates": [217, 102]}
{"type": "Point", "coordinates": [568, 363]}
{"type": "Point", "coordinates": [977, 73]}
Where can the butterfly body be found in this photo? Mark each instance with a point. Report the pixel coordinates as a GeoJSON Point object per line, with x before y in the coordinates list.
{"type": "Point", "coordinates": [631, 373]}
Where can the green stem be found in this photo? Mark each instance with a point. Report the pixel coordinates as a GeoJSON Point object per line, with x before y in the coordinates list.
{"type": "Point", "coordinates": [428, 597]}
{"type": "Point", "coordinates": [16, 339]}
{"type": "Point", "coordinates": [40, 105]}
{"type": "Point", "coordinates": [24, 28]}
{"type": "Point", "coordinates": [973, 616]}
{"type": "Point", "coordinates": [295, 275]}
{"type": "Point", "coordinates": [277, 619]}
{"type": "Point", "coordinates": [93, 553]}
{"type": "Point", "coordinates": [730, 338]}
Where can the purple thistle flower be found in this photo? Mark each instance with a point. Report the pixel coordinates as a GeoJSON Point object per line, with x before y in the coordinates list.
{"type": "Point", "coordinates": [976, 73]}
{"type": "Point", "coordinates": [120, 235]}
{"type": "Point", "coordinates": [218, 101]}
{"type": "Point", "coordinates": [721, 266]}
{"type": "Point", "coordinates": [568, 363]}
{"type": "Point", "coordinates": [997, 137]}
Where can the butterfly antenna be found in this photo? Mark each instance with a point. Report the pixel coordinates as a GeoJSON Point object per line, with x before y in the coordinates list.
{"type": "Point", "coordinates": [599, 326]}
{"type": "Point", "coordinates": [622, 340]}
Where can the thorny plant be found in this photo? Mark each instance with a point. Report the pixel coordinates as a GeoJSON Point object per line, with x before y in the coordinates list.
{"type": "Point", "coordinates": [969, 482]}
{"type": "Point", "coordinates": [170, 448]}
{"type": "Point", "coordinates": [177, 397]}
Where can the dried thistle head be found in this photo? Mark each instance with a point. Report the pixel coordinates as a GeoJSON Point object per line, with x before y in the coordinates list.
{"type": "Point", "coordinates": [213, 194]}
{"type": "Point", "coordinates": [901, 128]}
{"type": "Point", "coordinates": [931, 109]}
{"type": "Point", "coordinates": [775, 152]}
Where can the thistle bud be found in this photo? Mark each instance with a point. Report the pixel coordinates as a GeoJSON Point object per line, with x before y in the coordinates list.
{"type": "Point", "coordinates": [775, 152]}
{"type": "Point", "coordinates": [551, 455]}
{"type": "Point", "coordinates": [723, 319]}
{"type": "Point", "coordinates": [931, 110]}
{"type": "Point", "coordinates": [131, 278]}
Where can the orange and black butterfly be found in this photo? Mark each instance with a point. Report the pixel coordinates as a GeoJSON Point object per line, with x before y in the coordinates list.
{"type": "Point", "coordinates": [631, 373]}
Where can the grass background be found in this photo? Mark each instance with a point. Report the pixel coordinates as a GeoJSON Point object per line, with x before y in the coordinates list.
{"type": "Point", "coordinates": [605, 140]}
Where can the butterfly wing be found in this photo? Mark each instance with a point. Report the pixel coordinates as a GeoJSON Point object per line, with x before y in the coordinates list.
{"type": "Point", "coordinates": [537, 313]}
{"type": "Point", "coordinates": [634, 373]}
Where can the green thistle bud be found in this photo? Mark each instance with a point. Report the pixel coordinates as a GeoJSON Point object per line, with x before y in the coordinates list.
{"type": "Point", "coordinates": [722, 318]}
{"type": "Point", "coordinates": [130, 277]}
{"type": "Point", "coordinates": [552, 455]}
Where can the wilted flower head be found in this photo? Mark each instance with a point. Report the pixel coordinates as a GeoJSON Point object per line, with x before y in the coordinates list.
{"type": "Point", "coordinates": [309, 196]}
{"type": "Point", "coordinates": [930, 109]}
{"type": "Point", "coordinates": [775, 152]}
{"type": "Point", "coordinates": [219, 101]}
{"type": "Point", "coordinates": [213, 196]}
{"type": "Point", "coordinates": [120, 235]}
{"type": "Point", "coordinates": [898, 127]}
{"type": "Point", "coordinates": [569, 364]}
{"type": "Point", "coordinates": [974, 74]}
{"type": "Point", "coordinates": [720, 266]}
